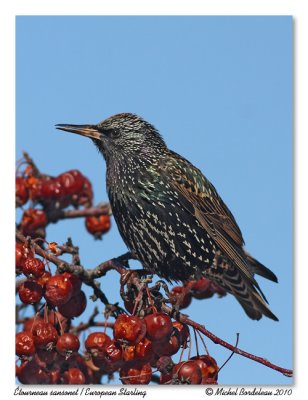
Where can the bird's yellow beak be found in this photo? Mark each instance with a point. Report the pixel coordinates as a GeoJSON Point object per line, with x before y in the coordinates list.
{"type": "Point", "coordinates": [89, 131]}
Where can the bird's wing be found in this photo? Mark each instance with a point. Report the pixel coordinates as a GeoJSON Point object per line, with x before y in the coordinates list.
{"type": "Point", "coordinates": [199, 197]}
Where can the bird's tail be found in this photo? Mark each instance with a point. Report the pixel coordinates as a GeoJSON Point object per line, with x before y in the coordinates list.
{"type": "Point", "coordinates": [247, 293]}
{"type": "Point", "coordinates": [253, 305]}
{"type": "Point", "coordinates": [257, 268]}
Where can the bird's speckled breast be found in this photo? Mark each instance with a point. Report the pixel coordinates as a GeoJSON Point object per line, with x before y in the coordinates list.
{"type": "Point", "coordinates": [152, 222]}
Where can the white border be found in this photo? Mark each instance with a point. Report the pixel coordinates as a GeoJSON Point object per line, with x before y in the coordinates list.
{"type": "Point", "coordinates": [9, 9]}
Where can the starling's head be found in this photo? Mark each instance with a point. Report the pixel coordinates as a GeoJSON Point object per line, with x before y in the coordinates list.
{"type": "Point", "coordinates": [122, 134]}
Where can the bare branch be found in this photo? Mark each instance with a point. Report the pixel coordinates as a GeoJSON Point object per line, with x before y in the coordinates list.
{"type": "Point", "coordinates": [54, 215]}
{"type": "Point", "coordinates": [184, 319]}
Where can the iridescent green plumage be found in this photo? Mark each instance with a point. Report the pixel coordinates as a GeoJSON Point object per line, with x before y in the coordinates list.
{"type": "Point", "coordinates": [170, 215]}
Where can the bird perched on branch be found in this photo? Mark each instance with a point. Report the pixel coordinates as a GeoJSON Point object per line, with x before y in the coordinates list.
{"type": "Point", "coordinates": [170, 215]}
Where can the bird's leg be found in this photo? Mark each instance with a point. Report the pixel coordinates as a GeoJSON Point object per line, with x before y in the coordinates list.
{"type": "Point", "coordinates": [145, 277]}
{"type": "Point", "coordinates": [175, 312]}
{"type": "Point", "coordinates": [160, 284]}
{"type": "Point", "coordinates": [142, 274]}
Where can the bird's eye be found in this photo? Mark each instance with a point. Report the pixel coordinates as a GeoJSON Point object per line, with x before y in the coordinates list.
{"type": "Point", "coordinates": [112, 133]}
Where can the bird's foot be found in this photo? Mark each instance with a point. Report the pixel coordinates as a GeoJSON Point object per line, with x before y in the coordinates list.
{"type": "Point", "coordinates": [175, 312]}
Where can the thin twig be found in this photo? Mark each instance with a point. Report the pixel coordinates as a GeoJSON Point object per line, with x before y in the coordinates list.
{"type": "Point", "coordinates": [29, 160]}
{"type": "Point", "coordinates": [231, 355]}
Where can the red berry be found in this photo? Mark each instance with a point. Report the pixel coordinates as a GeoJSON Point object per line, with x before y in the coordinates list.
{"type": "Point", "coordinates": [128, 352]}
{"type": "Point", "coordinates": [211, 366]}
{"type": "Point", "coordinates": [44, 278]}
{"type": "Point", "coordinates": [33, 268]}
{"type": "Point", "coordinates": [51, 189]}
{"type": "Point", "coordinates": [204, 369]}
{"type": "Point", "coordinates": [18, 368]}
{"type": "Point", "coordinates": [159, 326]}
{"type": "Point", "coordinates": [74, 376]}
{"type": "Point", "coordinates": [33, 222]}
{"type": "Point", "coordinates": [218, 289]}
{"type": "Point", "coordinates": [75, 306]}
{"type": "Point", "coordinates": [113, 352]}
{"type": "Point", "coordinates": [46, 357]}
{"type": "Point", "coordinates": [24, 344]}
{"type": "Point", "coordinates": [180, 296]}
{"type": "Point", "coordinates": [30, 373]}
{"type": "Point", "coordinates": [144, 350]}
{"type": "Point", "coordinates": [97, 342]}
{"type": "Point", "coordinates": [75, 281]}
{"type": "Point", "coordinates": [79, 362]}
{"type": "Point", "coordinates": [30, 322]}
{"type": "Point", "coordinates": [154, 359]}
{"type": "Point", "coordinates": [85, 197]}
{"type": "Point", "coordinates": [72, 182]}
{"type": "Point", "coordinates": [209, 381]}
{"type": "Point", "coordinates": [67, 344]}
{"type": "Point", "coordinates": [58, 290]}
{"type": "Point", "coordinates": [98, 226]}
{"type": "Point", "coordinates": [55, 375]}
{"type": "Point", "coordinates": [22, 193]}
{"type": "Point", "coordinates": [19, 257]}
{"type": "Point", "coordinates": [35, 187]}
{"type": "Point", "coordinates": [110, 359]}
{"type": "Point", "coordinates": [164, 364]}
{"type": "Point", "coordinates": [129, 329]}
{"type": "Point", "coordinates": [187, 372]}
{"type": "Point", "coordinates": [30, 292]}
{"type": "Point", "coordinates": [165, 379]}
{"type": "Point", "coordinates": [21, 254]}
{"type": "Point", "coordinates": [45, 335]}
{"type": "Point", "coordinates": [169, 346]}
{"type": "Point", "coordinates": [201, 285]}
{"type": "Point", "coordinates": [202, 289]}
{"type": "Point", "coordinates": [136, 376]}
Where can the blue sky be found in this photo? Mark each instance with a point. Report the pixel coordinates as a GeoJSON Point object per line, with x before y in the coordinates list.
{"type": "Point", "coordinates": [219, 89]}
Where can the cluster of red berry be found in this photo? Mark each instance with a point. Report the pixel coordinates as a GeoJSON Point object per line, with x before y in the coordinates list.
{"type": "Point", "coordinates": [200, 289]}
{"type": "Point", "coordinates": [139, 346]}
{"type": "Point", "coordinates": [62, 290]}
{"type": "Point", "coordinates": [70, 188]}
{"type": "Point", "coordinates": [49, 357]}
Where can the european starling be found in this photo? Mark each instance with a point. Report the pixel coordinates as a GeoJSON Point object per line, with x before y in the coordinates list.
{"type": "Point", "coordinates": [170, 215]}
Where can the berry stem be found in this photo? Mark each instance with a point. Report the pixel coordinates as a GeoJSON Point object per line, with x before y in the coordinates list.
{"type": "Point", "coordinates": [203, 342]}
{"type": "Point", "coordinates": [59, 321]}
{"type": "Point", "coordinates": [231, 355]}
{"type": "Point", "coordinates": [196, 341]}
